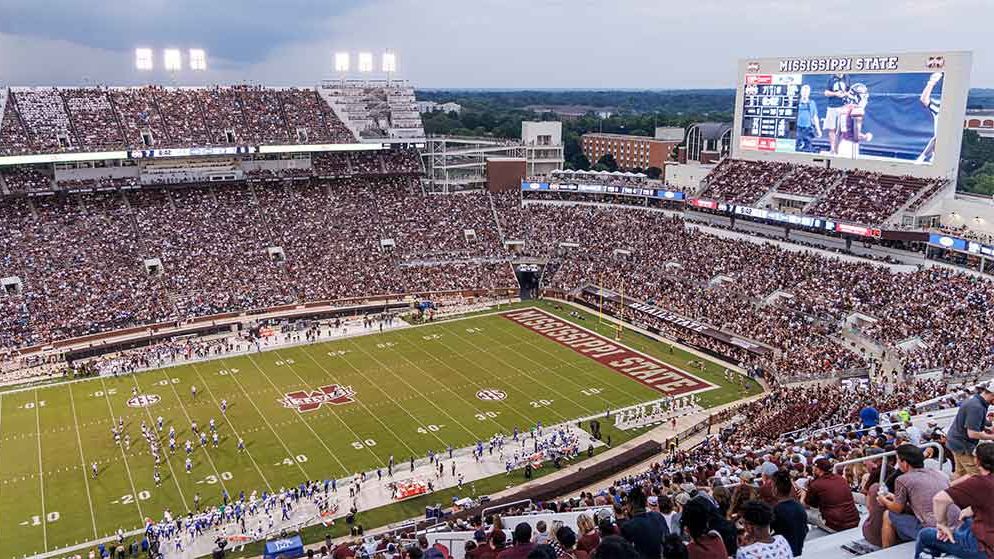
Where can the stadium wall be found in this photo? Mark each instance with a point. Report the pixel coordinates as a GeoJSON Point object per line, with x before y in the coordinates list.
{"type": "Point", "coordinates": [899, 76]}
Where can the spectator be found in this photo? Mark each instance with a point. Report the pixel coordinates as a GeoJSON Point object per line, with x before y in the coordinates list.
{"type": "Point", "coordinates": [522, 543]}
{"type": "Point", "coordinates": [589, 536]}
{"type": "Point", "coordinates": [644, 531]}
{"type": "Point", "coordinates": [705, 542]}
{"type": "Point", "coordinates": [615, 547]}
{"type": "Point", "coordinates": [565, 544]}
{"type": "Point", "coordinates": [789, 518]}
{"type": "Point", "coordinates": [760, 544]}
{"type": "Point", "coordinates": [974, 537]}
{"type": "Point", "coordinates": [830, 500]}
{"type": "Point", "coordinates": [492, 548]}
{"type": "Point", "coordinates": [869, 416]}
{"type": "Point", "coordinates": [909, 509]}
{"type": "Point", "coordinates": [541, 536]}
{"type": "Point", "coordinates": [967, 430]}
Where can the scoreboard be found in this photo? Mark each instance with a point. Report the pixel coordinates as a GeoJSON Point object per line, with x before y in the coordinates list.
{"type": "Point", "coordinates": [898, 113]}
{"type": "Point", "coordinates": [769, 108]}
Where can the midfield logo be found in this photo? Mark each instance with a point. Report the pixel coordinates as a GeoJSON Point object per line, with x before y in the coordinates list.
{"type": "Point", "coordinates": [309, 401]}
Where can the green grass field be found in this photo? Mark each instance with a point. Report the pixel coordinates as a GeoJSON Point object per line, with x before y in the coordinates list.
{"type": "Point", "coordinates": [415, 390]}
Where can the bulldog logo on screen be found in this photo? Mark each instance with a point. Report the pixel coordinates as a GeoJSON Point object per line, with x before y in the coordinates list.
{"type": "Point", "coordinates": [333, 394]}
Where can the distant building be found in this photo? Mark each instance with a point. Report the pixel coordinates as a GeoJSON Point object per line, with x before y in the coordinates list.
{"type": "Point", "coordinates": [707, 142]}
{"type": "Point", "coordinates": [571, 112]}
{"type": "Point", "coordinates": [631, 152]}
{"type": "Point", "coordinates": [981, 122]}
{"type": "Point", "coordinates": [433, 107]}
{"type": "Point", "coordinates": [543, 143]}
{"type": "Point", "coordinates": [670, 133]}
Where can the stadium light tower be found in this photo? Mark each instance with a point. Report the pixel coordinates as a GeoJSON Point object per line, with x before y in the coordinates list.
{"type": "Point", "coordinates": [172, 60]}
{"type": "Point", "coordinates": [143, 59]}
{"type": "Point", "coordinates": [342, 65]}
{"type": "Point", "coordinates": [198, 60]}
{"type": "Point", "coordinates": [389, 64]}
{"type": "Point", "coordinates": [365, 62]}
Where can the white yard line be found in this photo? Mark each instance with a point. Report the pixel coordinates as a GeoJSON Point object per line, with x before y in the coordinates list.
{"type": "Point", "coordinates": [387, 394]}
{"type": "Point", "coordinates": [308, 425]}
{"type": "Point", "coordinates": [82, 461]}
{"type": "Point", "coordinates": [590, 375]}
{"type": "Point", "coordinates": [189, 422]}
{"type": "Point", "coordinates": [127, 467]}
{"type": "Point", "coordinates": [265, 419]}
{"type": "Point", "coordinates": [443, 363]}
{"type": "Point", "coordinates": [231, 425]}
{"type": "Point", "coordinates": [41, 476]}
{"type": "Point", "coordinates": [536, 381]}
{"type": "Point", "coordinates": [151, 423]}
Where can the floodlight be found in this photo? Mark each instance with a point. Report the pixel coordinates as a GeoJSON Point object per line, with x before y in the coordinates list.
{"type": "Point", "coordinates": [198, 60]}
{"type": "Point", "coordinates": [389, 62]}
{"type": "Point", "coordinates": [172, 61]}
{"type": "Point", "coordinates": [143, 59]}
{"type": "Point", "coordinates": [341, 62]}
{"type": "Point", "coordinates": [365, 62]}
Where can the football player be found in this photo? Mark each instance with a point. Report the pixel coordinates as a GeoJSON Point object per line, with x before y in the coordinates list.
{"type": "Point", "coordinates": [850, 133]}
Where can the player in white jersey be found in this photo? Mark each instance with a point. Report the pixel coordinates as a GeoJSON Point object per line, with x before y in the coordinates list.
{"type": "Point", "coordinates": [193, 392]}
{"type": "Point", "coordinates": [189, 464]}
{"type": "Point", "coordinates": [93, 468]}
{"type": "Point", "coordinates": [933, 106]}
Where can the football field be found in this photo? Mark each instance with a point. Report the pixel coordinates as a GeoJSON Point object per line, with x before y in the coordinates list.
{"type": "Point", "coordinates": [318, 411]}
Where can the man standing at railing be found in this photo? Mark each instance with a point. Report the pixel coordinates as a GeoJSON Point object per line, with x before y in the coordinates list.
{"type": "Point", "coordinates": [967, 430]}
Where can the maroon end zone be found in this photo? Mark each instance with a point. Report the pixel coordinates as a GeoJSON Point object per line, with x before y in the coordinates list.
{"type": "Point", "coordinates": [637, 366]}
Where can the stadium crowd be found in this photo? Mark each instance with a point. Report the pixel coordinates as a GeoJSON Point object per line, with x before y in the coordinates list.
{"type": "Point", "coordinates": [46, 119]}
{"type": "Point", "coordinates": [227, 247]}
{"type": "Point", "coordinates": [756, 489]}
{"type": "Point", "coordinates": [855, 196]}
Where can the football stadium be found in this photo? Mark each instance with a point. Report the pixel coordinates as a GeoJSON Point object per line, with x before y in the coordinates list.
{"type": "Point", "coordinates": [276, 321]}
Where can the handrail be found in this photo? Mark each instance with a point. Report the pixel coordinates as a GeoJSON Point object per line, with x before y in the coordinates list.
{"type": "Point", "coordinates": [885, 455]}
{"type": "Point", "coordinates": [483, 513]}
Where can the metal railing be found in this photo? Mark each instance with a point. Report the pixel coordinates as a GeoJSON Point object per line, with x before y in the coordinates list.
{"type": "Point", "coordinates": [504, 506]}
{"type": "Point", "coordinates": [884, 455]}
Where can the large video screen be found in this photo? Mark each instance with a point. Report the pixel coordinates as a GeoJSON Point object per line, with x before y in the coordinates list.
{"type": "Point", "coordinates": [882, 116]}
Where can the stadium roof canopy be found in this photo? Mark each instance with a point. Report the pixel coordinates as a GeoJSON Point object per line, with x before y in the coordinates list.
{"type": "Point", "coordinates": [713, 130]}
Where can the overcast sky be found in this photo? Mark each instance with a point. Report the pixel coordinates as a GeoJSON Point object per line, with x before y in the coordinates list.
{"type": "Point", "coordinates": [655, 44]}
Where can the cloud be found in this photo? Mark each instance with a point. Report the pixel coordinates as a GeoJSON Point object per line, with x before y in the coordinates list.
{"type": "Point", "coordinates": [480, 43]}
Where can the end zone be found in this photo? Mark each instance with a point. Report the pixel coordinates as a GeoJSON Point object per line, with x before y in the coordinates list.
{"type": "Point", "coordinates": [636, 365]}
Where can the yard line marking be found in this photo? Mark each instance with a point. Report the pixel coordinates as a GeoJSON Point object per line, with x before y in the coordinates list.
{"type": "Point", "coordinates": [472, 404]}
{"type": "Point", "coordinates": [232, 427]}
{"type": "Point", "coordinates": [82, 461]}
{"type": "Point", "coordinates": [385, 393]}
{"type": "Point", "coordinates": [41, 476]}
{"type": "Point", "coordinates": [300, 417]}
{"type": "Point", "coordinates": [266, 420]}
{"type": "Point", "coordinates": [169, 462]}
{"type": "Point", "coordinates": [533, 379]}
{"type": "Point", "coordinates": [570, 363]}
{"type": "Point", "coordinates": [127, 467]}
{"type": "Point", "coordinates": [189, 421]}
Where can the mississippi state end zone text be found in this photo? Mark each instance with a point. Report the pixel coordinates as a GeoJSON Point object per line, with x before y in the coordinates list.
{"type": "Point", "coordinates": [645, 369]}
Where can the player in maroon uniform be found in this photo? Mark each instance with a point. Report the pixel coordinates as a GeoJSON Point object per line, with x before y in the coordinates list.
{"type": "Point", "coordinates": [851, 133]}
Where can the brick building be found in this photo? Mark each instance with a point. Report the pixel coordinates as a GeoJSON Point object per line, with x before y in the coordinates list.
{"type": "Point", "coordinates": [631, 152]}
